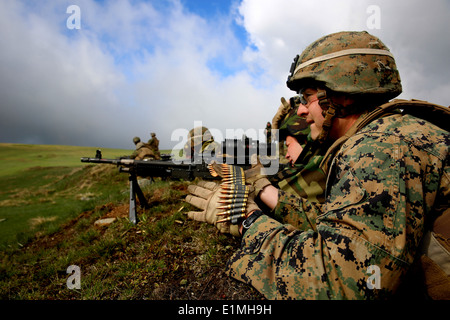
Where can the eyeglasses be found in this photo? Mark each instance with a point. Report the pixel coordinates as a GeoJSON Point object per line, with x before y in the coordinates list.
{"type": "Point", "coordinates": [304, 100]}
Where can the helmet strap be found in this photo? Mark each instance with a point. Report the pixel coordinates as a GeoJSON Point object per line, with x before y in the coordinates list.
{"type": "Point", "coordinates": [329, 111]}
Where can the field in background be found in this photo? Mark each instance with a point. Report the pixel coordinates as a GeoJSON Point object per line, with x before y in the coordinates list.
{"type": "Point", "coordinates": [40, 185]}
{"type": "Point", "coordinates": [49, 202]}
{"type": "Point", "coordinates": [18, 157]}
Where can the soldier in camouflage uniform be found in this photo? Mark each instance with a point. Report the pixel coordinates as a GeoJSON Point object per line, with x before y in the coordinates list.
{"type": "Point", "coordinates": [201, 142]}
{"type": "Point", "coordinates": [387, 188]}
{"type": "Point", "coordinates": [142, 151]}
{"type": "Point", "coordinates": [153, 144]}
{"type": "Point", "coordinates": [268, 132]}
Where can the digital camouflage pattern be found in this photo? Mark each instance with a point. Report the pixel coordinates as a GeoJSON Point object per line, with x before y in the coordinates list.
{"type": "Point", "coordinates": [385, 185]}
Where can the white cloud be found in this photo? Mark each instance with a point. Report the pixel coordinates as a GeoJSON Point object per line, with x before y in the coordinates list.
{"type": "Point", "coordinates": [137, 67]}
{"type": "Point", "coordinates": [414, 30]}
{"type": "Point", "coordinates": [281, 29]}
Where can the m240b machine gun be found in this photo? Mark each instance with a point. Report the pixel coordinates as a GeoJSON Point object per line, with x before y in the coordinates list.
{"type": "Point", "coordinates": [151, 168]}
{"type": "Point", "coordinates": [167, 168]}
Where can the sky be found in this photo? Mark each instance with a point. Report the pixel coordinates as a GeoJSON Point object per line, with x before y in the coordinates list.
{"type": "Point", "coordinates": [107, 71]}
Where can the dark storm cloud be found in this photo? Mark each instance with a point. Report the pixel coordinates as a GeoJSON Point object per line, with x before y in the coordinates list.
{"type": "Point", "coordinates": [135, 68]}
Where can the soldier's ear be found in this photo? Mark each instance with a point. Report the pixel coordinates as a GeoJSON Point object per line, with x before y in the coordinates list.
{"type": "Point", "coordinates": [343, 100]}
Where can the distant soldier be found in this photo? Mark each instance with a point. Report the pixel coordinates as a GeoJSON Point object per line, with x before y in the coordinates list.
{"type": "Point", "coordinates": [153, 144]}
{"type": "Point", "coordinates": [268, 132]}
{"type": "Point", "coordinates": [201, 141]}
{"type": "Point", "coordinates": [142, 151]}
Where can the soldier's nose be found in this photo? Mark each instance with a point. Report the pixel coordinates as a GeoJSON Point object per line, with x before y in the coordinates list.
{"type": "Point", "coordinates": [302, 111]}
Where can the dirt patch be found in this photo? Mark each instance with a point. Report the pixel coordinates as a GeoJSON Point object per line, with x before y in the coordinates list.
{"type": "Point", "coordinates": [120, 211]}
{"type": "Point", "coordinates": [34, 222]}
{"type": "Point", "coordinates": [67, 231]}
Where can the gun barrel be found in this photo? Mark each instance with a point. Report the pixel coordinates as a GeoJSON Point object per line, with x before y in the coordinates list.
{"type": "Point", "coordinates": [155, 168]}
{"type": "Point", "coordinates": [98, 160]}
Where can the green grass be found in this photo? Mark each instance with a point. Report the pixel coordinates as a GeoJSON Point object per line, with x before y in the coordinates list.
{"type": "Point", "coordinates": [41, 186]}
{"type": "Point", "coordinates": [41, 199]}
{"type": "Point", "coordinates": [49, 202]}
{"type": "Point", "coordinates": [15, 158]}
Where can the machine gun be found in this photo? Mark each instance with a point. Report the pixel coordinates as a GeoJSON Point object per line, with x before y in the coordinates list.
{"type": "Point", "coordinates": [150, 168]}
{"type": "Point", "coordinates": [241, 152]}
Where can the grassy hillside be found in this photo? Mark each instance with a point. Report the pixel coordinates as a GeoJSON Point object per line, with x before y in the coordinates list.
{"type": "Point", "coordinates": [40, 184]}
{"type": "Point", "coordinates": [49, 202]}
{"type": "Point", "coordinates": [18, 157]}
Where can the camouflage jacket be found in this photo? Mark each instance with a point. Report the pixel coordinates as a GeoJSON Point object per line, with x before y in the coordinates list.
{"type": "Point", "coordinates": [306, 178]}
{"type": "Point", "coordinates": [143, 152]}
{"type": "Point", "coordinates": [385, 184]}
{"type": "Point", "coordinates": [153, 144]}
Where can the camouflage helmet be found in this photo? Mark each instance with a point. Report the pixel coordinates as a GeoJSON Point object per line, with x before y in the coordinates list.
{"type": "Point", "coordinates": [136, 140]}
{"type": "Point", "coordinates": [356, 63]}
{"type": "Point", "coordinates": [292, 124]}
{"type": "Point", "coordinates": [199, 135]}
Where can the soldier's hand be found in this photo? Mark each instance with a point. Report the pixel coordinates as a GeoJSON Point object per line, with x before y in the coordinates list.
{"type": "Point", "coordinates": [205, 196]}
{"type": "Point", "coordinates": [255, 175]}
{"type": "Point", "coordinates": [282, 111]}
